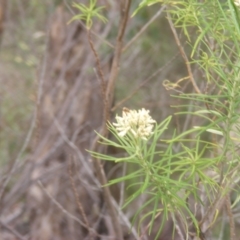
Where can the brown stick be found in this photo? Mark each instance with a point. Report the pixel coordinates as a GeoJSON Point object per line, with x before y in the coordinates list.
{"type": "Point", "coordinates": [12, 230]}
{"type": "Point", "coordinates": [107, 109]}
{"type": "Point", "coordinates": [56, 203]}
{"type": "Point", "coordinates": [184, 56]}
{"type": "Point", "coordinates": [100, 73]}
{"type": "Point", "coordinates": [116, 59]}
{"type": "Point", "coordinates": [77, 198]}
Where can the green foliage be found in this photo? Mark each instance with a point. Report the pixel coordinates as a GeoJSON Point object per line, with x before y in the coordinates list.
{"type": "Point", "coordinates": [145, 3]}
{"type": "Point", "coordinates": [88, 13]}
{"type": "Point", "coordinates": [209, 164]}
{"type": "Point", "coordinates": [163, 174]}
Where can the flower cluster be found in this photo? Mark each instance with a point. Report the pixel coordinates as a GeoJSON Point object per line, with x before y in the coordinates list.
{"type": "Point", "coordinates": [137, 123]}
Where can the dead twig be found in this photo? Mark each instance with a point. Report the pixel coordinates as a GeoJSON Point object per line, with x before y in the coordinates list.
{"type": "Point", "coordinates": [77, 150]}
{"type": "Point", "coordinates": [107, 108]}
{"type": "Point", "coordinates": [13, 231]}
{"type": "Point", "coordinates": [178, 228]}
{"type": "Point", "coordinates": [77, 198]}
{"type": "Point", "coordinates": [116, 58]}
{"type": "Point", "coordinates": [62, 208]}
{"type": "Point", "coordinates": [100, 73]}
{"type": "Point", "coordinates": [184, 56]}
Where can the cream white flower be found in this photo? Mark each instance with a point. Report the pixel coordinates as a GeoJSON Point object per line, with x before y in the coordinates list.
{"type": "Point", "coordinates": [138, 123]}
{"type": "Point", "coordinates": [237, 3]}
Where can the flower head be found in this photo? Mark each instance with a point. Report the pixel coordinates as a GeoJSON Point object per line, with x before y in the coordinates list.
{"type": "Point", "coordinates": [137, 123]}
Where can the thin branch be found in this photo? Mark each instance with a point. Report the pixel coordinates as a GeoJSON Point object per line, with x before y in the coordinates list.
{"type": "Point", "coordinates": [125, 219]}
{"type": "Point", "coordinates": [143, 83]}
{"type": "Point", "coordinates": [184, 56]}
{"type": "Point", "coordinates": [13, 231]}
{"type": "Point", "coordinates": [215, 207]}
{"type": "Point", "coordinates": [116, 59]}
{"type": "Point", "coordinates": [77, 198]}
{"type": "Point", "coordinates": [144, 28]}
{"type": "Point", "coordinates": [100, 73]}
{"type": "Point", "coordinates": [109, 99]}
{"type": "Point", "coordinates": [222, 227]}
{"type": "Point", "coordinates": [76, 149]}
{"type": "Point", "coordinates": [60, 206]}
{"type": "Point", "coordinates": [148, 225]}
{"type": "Point", "coordinates": [122, 186]}
{"type": "Point", "coordinates": [178, 228]}
{"type": "Point", "coordinates": [219, 201]}
{"type": "Point", "coordinates": [231, 218]}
